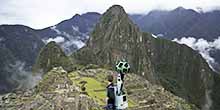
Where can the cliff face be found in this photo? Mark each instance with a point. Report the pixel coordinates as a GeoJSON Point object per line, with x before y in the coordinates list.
{"type": "Point", "coordinates": [177, 67]}
{"type": "Point", "coordinates": [182, 70]}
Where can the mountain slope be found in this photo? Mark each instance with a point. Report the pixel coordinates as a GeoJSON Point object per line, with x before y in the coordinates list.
{"type": "Point", "coordinates": [22, 41]}
{"type": "Point", "coordinates": [19, 45]}
{"type": "Point", "coordinates": [178, 68]}
{"type": "Point", "coordinates": [181, 23]}
{"type": "Point", "coordinates": [113, 36]}
{"type": "Point", "coordinates": [51, 56]}
{"type": "Point", "coordinates": [6, 59]}
{"type": "Point", "coordinates": [175, 66]}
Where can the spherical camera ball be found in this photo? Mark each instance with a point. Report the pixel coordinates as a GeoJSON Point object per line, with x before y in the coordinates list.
{"type": "Point", "coordinates": [123, 67]}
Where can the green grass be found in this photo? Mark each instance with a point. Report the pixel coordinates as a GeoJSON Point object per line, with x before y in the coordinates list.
{"type": "Point", "coordinates": [93, 85]}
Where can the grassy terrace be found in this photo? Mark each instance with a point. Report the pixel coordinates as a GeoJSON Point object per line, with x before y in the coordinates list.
{"type": "Point", "coordinates": [95, 87]}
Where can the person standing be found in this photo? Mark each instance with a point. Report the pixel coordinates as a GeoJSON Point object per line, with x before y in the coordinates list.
{"type": "Point", "coordinates": [110, 93]}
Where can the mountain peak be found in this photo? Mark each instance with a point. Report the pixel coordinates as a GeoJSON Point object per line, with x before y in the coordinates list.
{"type": "Point", "coordinates": [180, 8]}
{"type": "Point", "coordinates": [116, 10]}
{"type": "Point", "coordinates": [113, 26]}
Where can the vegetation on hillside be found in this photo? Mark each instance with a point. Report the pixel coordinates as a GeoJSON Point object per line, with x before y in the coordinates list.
{"type": "Point", "coordinates": [51, 56]}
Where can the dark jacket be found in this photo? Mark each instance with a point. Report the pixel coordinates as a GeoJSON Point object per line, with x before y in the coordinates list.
{"type": "Point", "coordinates": [110, 94]}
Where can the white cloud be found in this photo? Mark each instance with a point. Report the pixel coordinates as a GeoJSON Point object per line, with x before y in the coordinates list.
{"type": "Point", "coordinates": [58, 39]}
{"type": "Point", "coordinates": [24, 79]}
{"type": "Point", "coordinates": [153, 35]}
{"type": "Point", "coordinates": [43, 13]}
{"type": "Point", "coordinates": [79, 44]}
{"type": "Point", "coordinates": [216, 43]}
{"type": "Point", "coordinates": [203, 46]}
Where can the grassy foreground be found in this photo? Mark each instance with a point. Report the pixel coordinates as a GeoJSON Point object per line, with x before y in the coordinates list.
{"type": "Point", "coordinates": [95, 87]}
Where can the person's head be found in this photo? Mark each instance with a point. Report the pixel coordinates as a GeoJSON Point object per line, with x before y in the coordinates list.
{"type": "Point", "coordinates": [110, 78]}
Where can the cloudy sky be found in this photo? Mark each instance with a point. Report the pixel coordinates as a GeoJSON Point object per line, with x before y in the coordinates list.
{"type": "Point", "coordinates": [42, 13]}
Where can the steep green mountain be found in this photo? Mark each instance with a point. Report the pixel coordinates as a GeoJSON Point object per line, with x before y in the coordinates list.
{"type": "Point", "coordinates": [59, 90]}
{"type": "Point", "coordinates": [51, 55]}
{"type": "Point", "coordinates": [176, 67]}
{"type": "Point", "coordinates": [111, 40]}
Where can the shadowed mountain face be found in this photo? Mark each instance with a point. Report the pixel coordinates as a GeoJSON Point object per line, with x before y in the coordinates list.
{"type": "Point", "coordinates": [23, 42]}
{"type": "Point", "coordinates": [19, 46]}
{"type": "Point", "coordinates": [178, 68]}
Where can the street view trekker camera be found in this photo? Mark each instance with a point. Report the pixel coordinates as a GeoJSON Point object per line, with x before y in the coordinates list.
{"type": "Point", "coordinates": [122, 68]}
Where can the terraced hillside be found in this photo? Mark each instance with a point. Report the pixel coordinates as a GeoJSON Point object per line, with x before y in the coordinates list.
{"type": "Point", "coordinates": [84, 89]}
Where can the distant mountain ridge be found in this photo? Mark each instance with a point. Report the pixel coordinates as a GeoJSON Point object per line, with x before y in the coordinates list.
{"type": "Point", "coordinates": [180, 22]}
{"type": "Point", "coordinates": [74, 31]}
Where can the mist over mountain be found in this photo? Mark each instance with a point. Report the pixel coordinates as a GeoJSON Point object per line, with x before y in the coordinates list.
{"type": "Point", "coordinates": [208, 49]}
{"type": "Point", "coordinates": [71, 34]}
{"type": "Point", "coordinates": [19, 47]}
{"type": "Point", "coordinates": [185, 23]}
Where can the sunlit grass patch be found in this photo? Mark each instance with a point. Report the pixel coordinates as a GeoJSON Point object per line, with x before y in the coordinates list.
{"type": "Point", "coordinates": [95, 87]}
{"type": "Point", "coordinates": [91, 87]}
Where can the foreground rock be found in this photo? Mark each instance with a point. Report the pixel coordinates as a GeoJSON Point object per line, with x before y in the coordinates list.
{"type": "Point", "coordinates": [54, 92]}
{"type": "Point", "coordinates": [60, 90]}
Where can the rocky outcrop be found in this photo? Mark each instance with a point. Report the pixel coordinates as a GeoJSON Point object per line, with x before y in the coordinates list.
{"type": "Point", "coordinates": [61, 90]}
{"type": "Point", "coordinates": [54, 92]}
